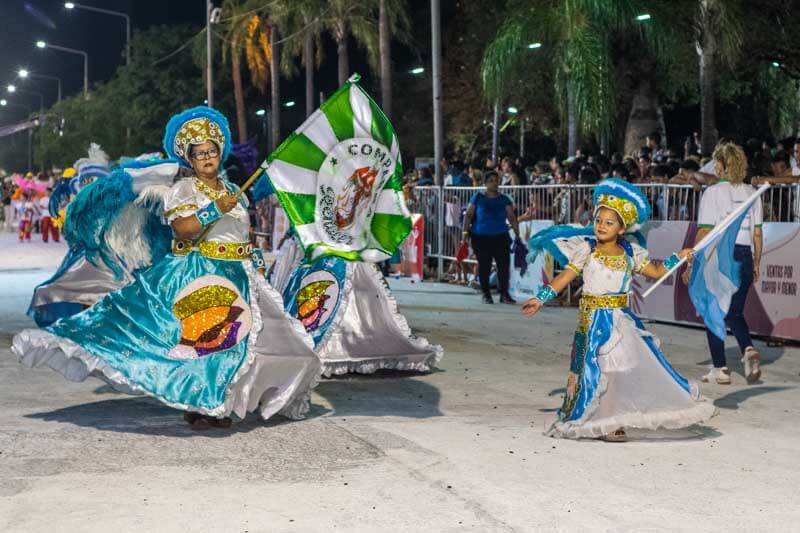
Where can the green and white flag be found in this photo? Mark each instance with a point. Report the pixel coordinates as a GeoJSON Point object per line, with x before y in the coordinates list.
{"type": "Point", "coordinates": [338, 177]}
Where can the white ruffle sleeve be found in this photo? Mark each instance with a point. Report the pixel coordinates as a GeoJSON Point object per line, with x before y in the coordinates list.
{"type": "Point", "coordinates": [640, 258]}
{"type": "Point", "coordinates": [180, 201]}
{"type": "Point", "coordinates": [577, 251]}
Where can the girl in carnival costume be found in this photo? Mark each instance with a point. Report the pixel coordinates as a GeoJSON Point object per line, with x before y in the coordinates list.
{"type": "Point", "coordinates": [197, 327]}
{"type": "Point", "coordinates": [618, 377]}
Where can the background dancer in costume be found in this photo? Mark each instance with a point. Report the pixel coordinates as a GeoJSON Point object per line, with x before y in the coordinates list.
{"type": "Point", "coordinates": [716, 203]}
{"type": "Point", "coordinates": [485, 224]}
{"type": "Point", "coordinates": [351, 215]}
{"type": "Point", "coordinates": [198, 329]}
{"type": "Point", "coordinates": [618, 377]}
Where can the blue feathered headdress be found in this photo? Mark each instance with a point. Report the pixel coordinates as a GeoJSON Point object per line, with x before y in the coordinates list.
{"type": "Point", "coordinates": [195, 126]}
{"type": "Point", "coordinates": [625, 199]}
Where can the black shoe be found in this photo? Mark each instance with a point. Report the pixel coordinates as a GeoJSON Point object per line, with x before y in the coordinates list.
{"type": "Point", "coordinates": [507, 299]}
{"type": "Point", "coordinates": [487, 299]}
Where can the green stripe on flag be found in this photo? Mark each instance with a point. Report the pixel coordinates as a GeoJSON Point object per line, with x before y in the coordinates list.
{"type": "Point", "coordinates": [395, 182]}
{"type": "Point", "coordinates": [339, 113]}
{"type": "Point", "coordinates": [300, 151]}
{"type": "Point", "coordinates": [381, 128]}
{"type": "Point", "coordinates": [390, 230]}
{"type": "Point", "coordinates": [299, 208]}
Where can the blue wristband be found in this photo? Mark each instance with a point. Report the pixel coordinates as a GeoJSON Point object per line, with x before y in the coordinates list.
{"type": "Point", "coordinates": [546, 294]}
{"type": "Point", "coordinates": [209, 214]}
{"type": "Point", "coordinates": [671, 261]}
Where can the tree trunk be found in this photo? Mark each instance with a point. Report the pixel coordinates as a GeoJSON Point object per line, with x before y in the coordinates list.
{"type": "Point", "coordinates": [342, 52]}
{"type": "Point", "coordinates": [708, 131]}
{"type": "Point", "coordinates": [385, 40]}
{"type": "Point", "coordinates": [644, 118]}
{"type": "Point", "coordinates": [238, 95]}
{"type": "Point", "coordinates": [275, 82]}
{"type": "Point", "coordinates": [572, 121]}
{"type": "Point", "coordinates": [308, 58]}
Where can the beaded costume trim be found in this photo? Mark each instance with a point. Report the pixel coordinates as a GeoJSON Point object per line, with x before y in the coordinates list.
{"type": "Point", "coordinates": [604, 301]}
{"type": "Point", "coordinates": [212, 194]}
{"type": "Point", "coordinates": [614, 262]}
{"type": "Point", "coordinates": [226, 251]}
{"type": "Point", "coordinates": [178, 209]}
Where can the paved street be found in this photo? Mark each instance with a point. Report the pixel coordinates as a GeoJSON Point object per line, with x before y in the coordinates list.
{"type": "Point", "coordinates": [460, 449]}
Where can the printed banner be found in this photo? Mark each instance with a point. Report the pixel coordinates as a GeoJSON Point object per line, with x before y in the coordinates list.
{"type": "Point", "coordinates": [413, 249]}
{"type": "Point", "coordinates": [771, 308]}
{"type": "Point", "coordinates": [524, 286]}
{"type": "Point", "coordinates": [339, 180]}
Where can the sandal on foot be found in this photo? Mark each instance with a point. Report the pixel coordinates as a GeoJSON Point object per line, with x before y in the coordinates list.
{"type": "Point", "coordinates": [200, 423]}
{"type": "Point", "coordinates": [617, 436]}
{"type": "Point", "coordinates": [752, 364]}
{"type": "Point", "coordinates": [223, 423]}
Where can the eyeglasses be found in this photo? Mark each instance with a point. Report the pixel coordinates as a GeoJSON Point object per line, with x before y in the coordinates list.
{"type": "Point", "coordinates": [208, 154]}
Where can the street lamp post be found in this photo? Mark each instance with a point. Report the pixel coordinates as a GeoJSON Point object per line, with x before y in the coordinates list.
{"type": "Point", "coordinates": [75, 5]}
{"type": "Point", "coordinates": [25, 73]}
{"type": "Point", "coordinates": [42, 44]}
{"type": "Point", "coordinates": [11, 89]}
{"type": "Point", "coordinates": [5, 103]}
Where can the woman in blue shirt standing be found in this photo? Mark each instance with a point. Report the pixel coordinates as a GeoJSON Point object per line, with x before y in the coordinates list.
{"type": "Point", "coordinates": [486, 224]}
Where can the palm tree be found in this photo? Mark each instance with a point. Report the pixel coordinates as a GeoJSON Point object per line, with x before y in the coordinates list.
{"type": "Point", "coordinates": [577, 40]}
{"type": "Point", "coordinates": [393, 22]}
{"type": "Point", "coordinates": [237, 22]}
{"type": "Point", "coordinates": [345, 18]}
{"type": "Point", "coordinates": [719, 33]}
{"type": "Point", "coordinates": [302, 22]}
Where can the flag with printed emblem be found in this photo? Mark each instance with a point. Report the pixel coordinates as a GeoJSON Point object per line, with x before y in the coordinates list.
{"type": "Point", "coordinates": [338, 177]}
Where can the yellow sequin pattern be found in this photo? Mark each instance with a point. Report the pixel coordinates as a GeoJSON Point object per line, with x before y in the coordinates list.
{"type": "Point", "coordinates": [197, 131]}
{"type": "Point", "coordinates": [614, 262]}
{"type": "Point", "coordinates": [226, 251]}
{"type": "Point", "coordinates": [205, 298]}
{"type": "Point", "coordinates": [590, 302]}
{"type": "Point", "coordinates": [624, 208]}
{"type": "Point", "coordinates": [178, 209]}
{"type": "Point", "coordinates": [212, 194]}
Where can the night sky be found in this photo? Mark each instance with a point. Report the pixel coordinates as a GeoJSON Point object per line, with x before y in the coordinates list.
{"type": "Point", "coordinates": [23, 22]}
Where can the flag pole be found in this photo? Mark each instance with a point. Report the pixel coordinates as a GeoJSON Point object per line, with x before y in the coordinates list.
{"type": "Point", "coordinates": [719, 228]}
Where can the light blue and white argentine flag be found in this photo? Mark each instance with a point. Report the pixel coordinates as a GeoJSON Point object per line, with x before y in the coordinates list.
{"type": "Point", "coordinates": [716, 276]}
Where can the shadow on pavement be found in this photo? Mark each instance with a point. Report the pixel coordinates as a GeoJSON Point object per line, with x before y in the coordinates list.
{"type": "Point", "coordinates": [733, 399]}
{"type": "Point", "coordinates": [385, 393]}
{"type": "Point", "coordinates": [143, 416]}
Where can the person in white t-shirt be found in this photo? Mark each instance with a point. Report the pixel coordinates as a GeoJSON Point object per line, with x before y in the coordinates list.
{"type": "Point", "coordinates": [716, 203]}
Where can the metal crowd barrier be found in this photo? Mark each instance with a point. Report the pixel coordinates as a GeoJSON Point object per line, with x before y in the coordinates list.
{"type": "Point", "coordinates": [570, 204]}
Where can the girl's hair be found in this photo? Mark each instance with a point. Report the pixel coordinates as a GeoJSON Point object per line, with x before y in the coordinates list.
{"type": "Point", "coordinates": [733, 159]}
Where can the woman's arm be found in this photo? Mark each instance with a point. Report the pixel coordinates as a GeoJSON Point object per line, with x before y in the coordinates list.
{"type": "Point", "coordinates": [468, 216]}
{"type": "Point", "coordinates": [758, 242]}
{"type": "Point", "coordinates": [512, 218]}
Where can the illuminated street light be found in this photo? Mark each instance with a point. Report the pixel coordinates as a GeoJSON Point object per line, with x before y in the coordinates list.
{"type": "Point", "coordinates": [261, 112]}
{"type": "Point", "coordinates": [69, 5]}
{"type": "Point", "coordinates": [22, 73]}
{"type": "Point", "coordinates": [513, 110]}
{"type": "Point", "coordinates": [417, 71]}
{"type": "Point", "coordinates": [11, 88]}
{"type": "Point", "coordinates": [290, 103]}
{"type": "Point", "coordinates": [534, 46]}
{"type": "Point", "coordinates": [3, 102]}
{"type": "Point", "coordinates": [776, 64]}
{"type": "Point", "coordinates": [643, 17]}
{"type": "Point", "coordinates": [42, 44]}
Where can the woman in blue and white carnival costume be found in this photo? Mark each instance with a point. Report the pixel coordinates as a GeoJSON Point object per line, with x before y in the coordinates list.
{"type": "Point", "coordinates": [198, 328]}
{"type": "Point", "coordinates": [618, 377]}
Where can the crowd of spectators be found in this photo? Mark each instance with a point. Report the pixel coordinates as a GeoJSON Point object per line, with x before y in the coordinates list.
{"type": "Point", "coordinates": [25, 201]}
